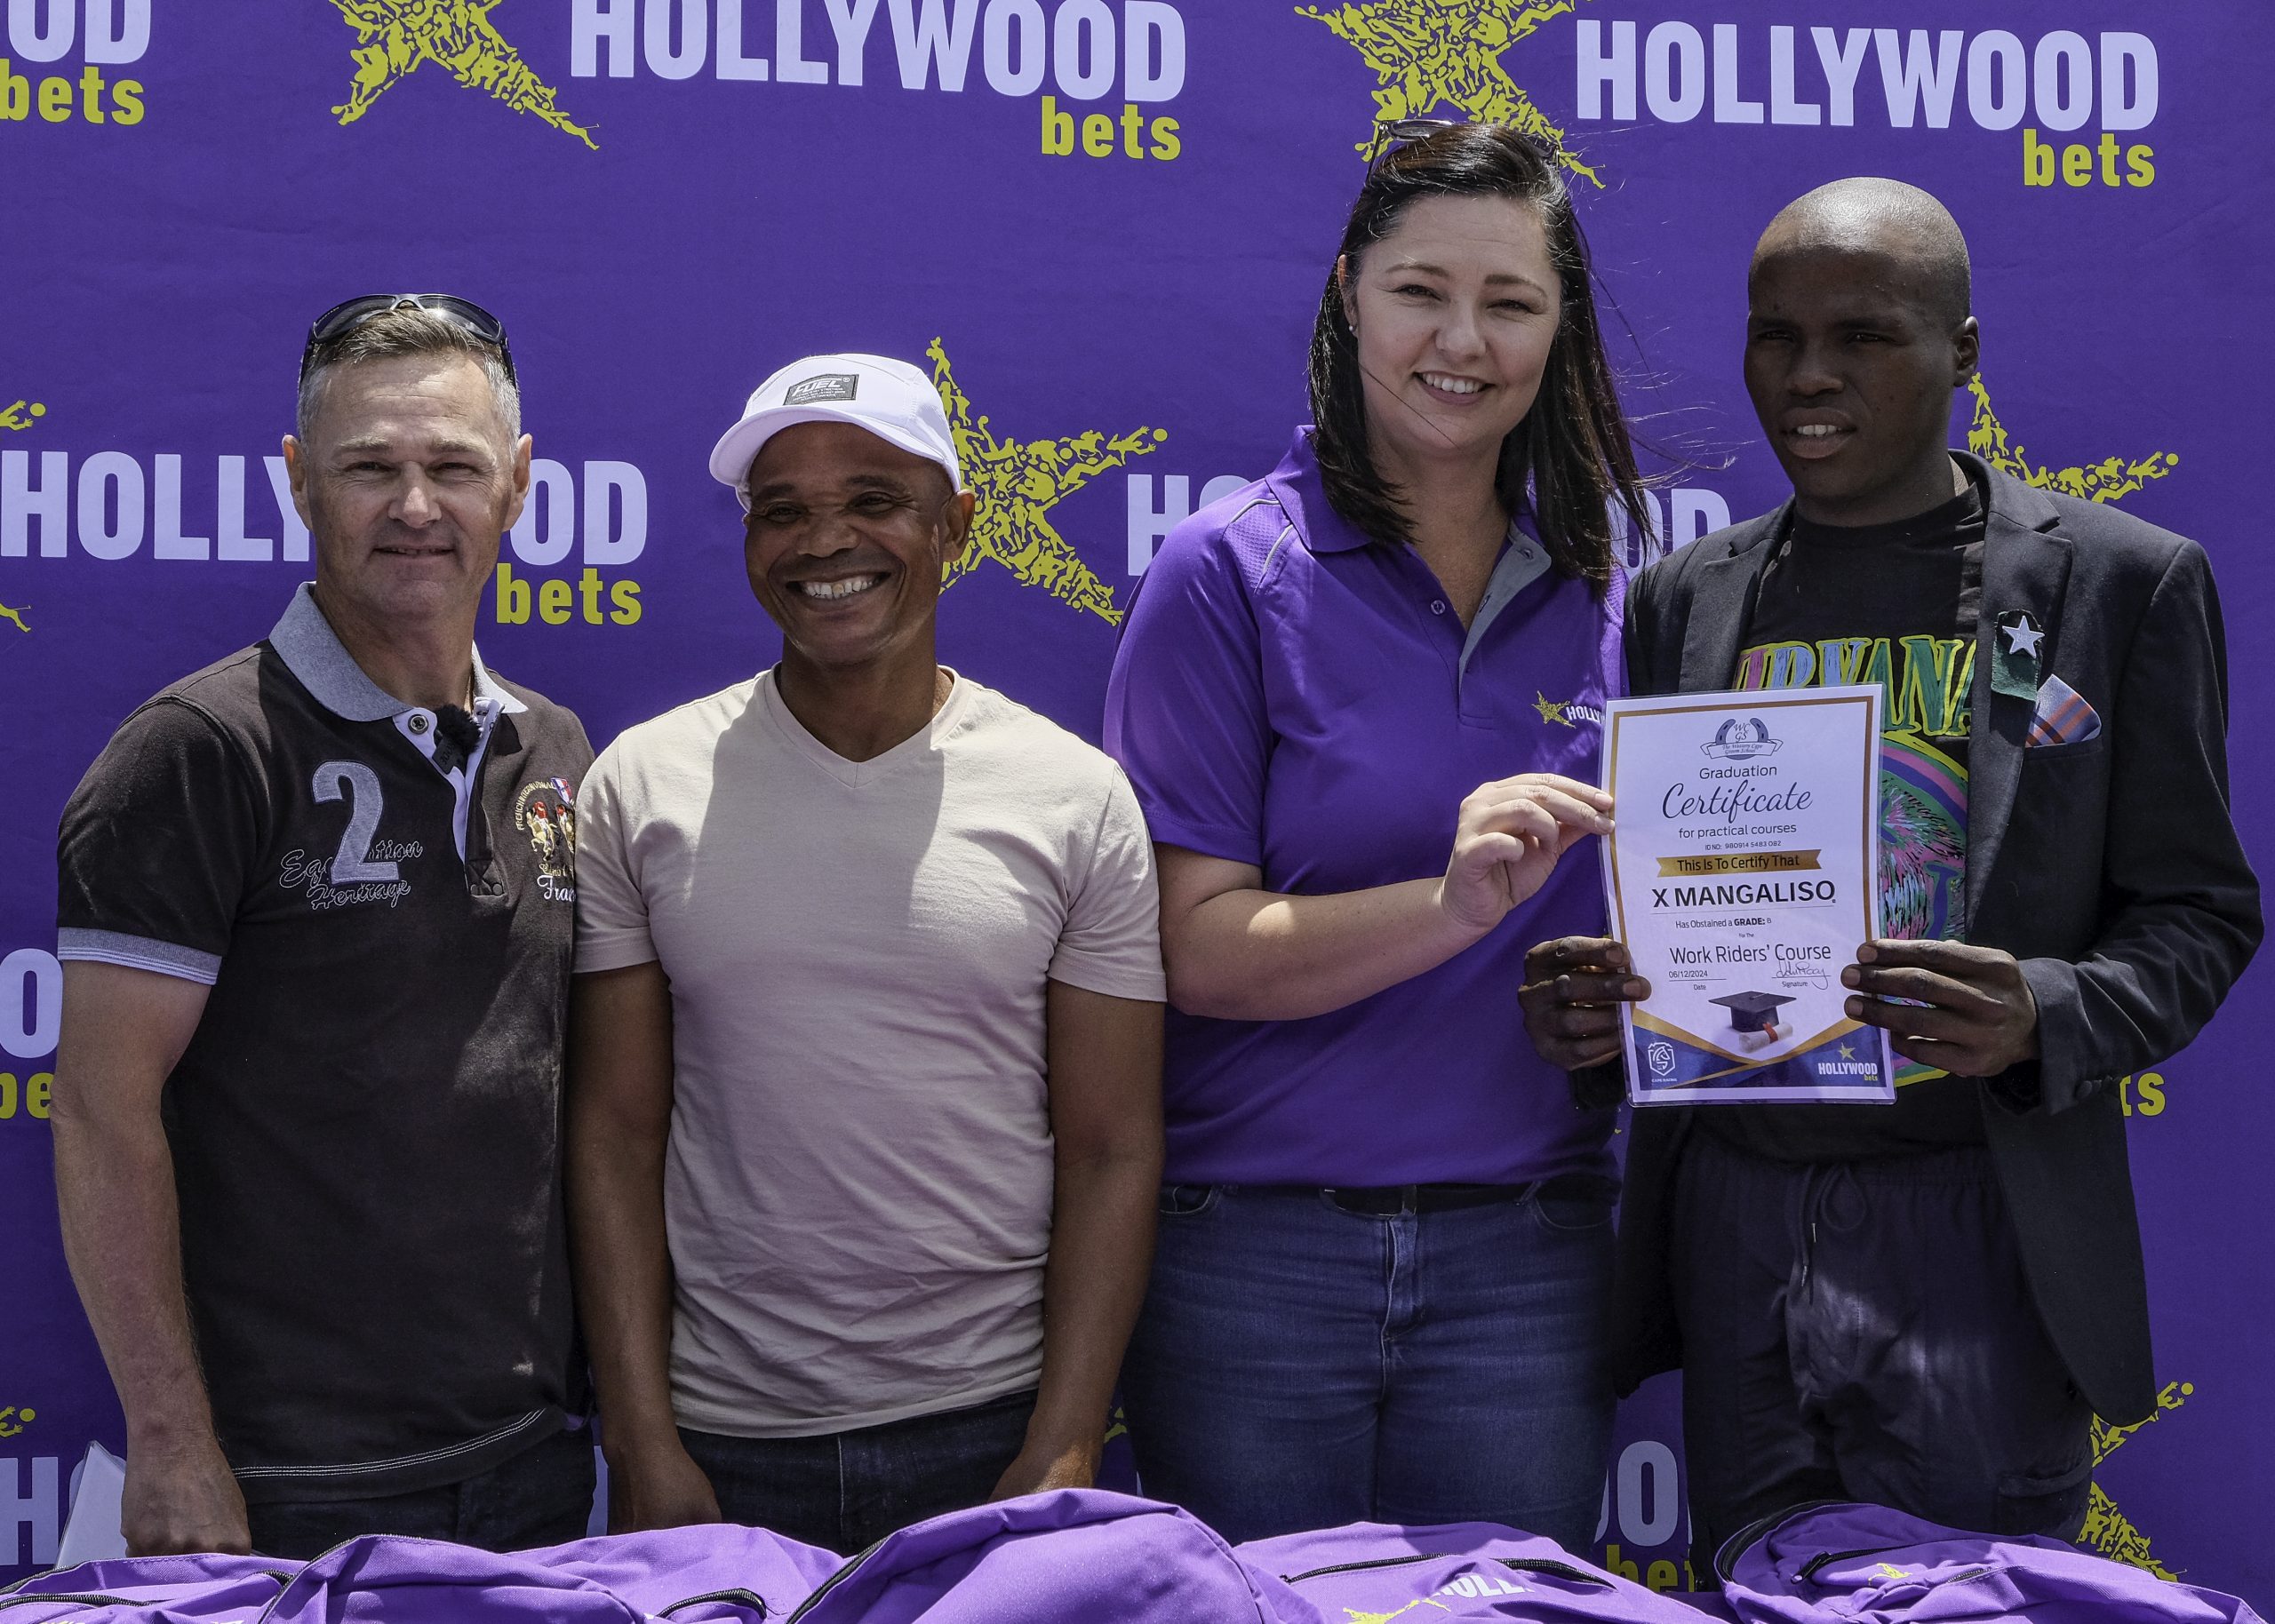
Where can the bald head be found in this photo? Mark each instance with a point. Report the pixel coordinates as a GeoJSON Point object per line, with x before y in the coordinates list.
{"type": "Point", "coordinates": [1906, 229]}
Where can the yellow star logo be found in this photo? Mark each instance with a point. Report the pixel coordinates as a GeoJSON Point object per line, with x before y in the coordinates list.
{"type": "Point", "coordinates": [1845, 1052]}
{"type": "Point", "coordinates": [394, 37]}
{"type": "Point", "coordinates": [2108, 1530]}
{"type": "Point", "coordinates": [1551, 710]}
{"type": "Point", "coordinates": [1427, 53]}
{"type": "Point", "coordinates": [2106, 481]}
{"type": "Point", "coordinates": [1018, 482]}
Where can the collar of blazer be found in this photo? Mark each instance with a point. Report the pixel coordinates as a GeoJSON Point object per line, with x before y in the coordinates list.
{"type": "Point", "coordinates": [2025, 566]}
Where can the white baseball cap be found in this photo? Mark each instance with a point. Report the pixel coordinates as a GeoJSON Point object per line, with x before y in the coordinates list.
{"type": "Point", "coordinates": [890, 399]}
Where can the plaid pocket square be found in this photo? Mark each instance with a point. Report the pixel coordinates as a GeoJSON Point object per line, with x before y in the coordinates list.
{"type": "Point", "coordinates": [2063, 716]}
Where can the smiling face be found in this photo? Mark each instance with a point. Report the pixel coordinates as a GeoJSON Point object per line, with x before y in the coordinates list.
{"type": "Point", "coordinates": [407, 481]}
{"type": "Point", "coordinates": [1454, 311]}
{"type": "Point", "coordinates": [846, 543]}
{"type": "Point", "coordinates": [1851, 356]}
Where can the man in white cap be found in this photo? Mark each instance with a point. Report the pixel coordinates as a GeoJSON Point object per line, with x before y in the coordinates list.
{"type": "Point", "coordinates": [865, 1123]}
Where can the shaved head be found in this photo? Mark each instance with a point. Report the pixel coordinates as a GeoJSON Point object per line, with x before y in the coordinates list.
{"type": "Point", "coordinates": [1884, 220]}
{"type": "Point", "coordinates": [1857, 332]}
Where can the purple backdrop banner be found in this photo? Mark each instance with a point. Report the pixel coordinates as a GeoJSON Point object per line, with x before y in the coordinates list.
{"type": "Point", "coordinates": [1104, 224]}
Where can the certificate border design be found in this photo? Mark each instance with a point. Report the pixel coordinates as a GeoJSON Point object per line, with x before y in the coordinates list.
{"type": "Point", "coordinates": [1689, 1093]}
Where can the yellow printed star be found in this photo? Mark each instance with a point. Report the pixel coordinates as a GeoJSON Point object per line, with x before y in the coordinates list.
{"type": "Point", "coordinates": [1426, 53]}
{"type": "Point", "coordinates": [394, 37]}
{"type": "Point", "coordinates": [2106, 481]}
{"type": "Point", "coordinates": [1018, 482]}
{"type": "Point", "coordinates": [1847, 1053]}
{"type": "Point", "coordinates": [1357, 1617]}
{"type": "Point", "coordinates": [2107, 1529]}
{"type": "Point", "coordinates": [1551, 710]}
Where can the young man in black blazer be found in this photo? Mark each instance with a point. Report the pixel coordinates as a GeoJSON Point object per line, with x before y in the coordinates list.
{"type": "Point", "coordinates": [1924, 1305]}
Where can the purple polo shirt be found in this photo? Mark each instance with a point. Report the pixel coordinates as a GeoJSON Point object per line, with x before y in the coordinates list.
{"type": "Point", "coordinates": [1290, 694]}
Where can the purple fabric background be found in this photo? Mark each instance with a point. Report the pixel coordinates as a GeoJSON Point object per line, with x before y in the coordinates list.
{"type": "Point", "coordinates": [160, 273]}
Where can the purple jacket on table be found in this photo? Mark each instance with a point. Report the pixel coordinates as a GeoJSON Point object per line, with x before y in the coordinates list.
{"type": "Point", "coordinates": [1290, 694]}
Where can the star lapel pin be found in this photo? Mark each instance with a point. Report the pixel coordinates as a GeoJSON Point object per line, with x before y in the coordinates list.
{"type": "Point", "coordinates": [2014, 669]}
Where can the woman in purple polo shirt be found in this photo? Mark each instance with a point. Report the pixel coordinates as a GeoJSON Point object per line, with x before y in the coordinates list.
{"type": "Point", "coordinates": [1361, 701]}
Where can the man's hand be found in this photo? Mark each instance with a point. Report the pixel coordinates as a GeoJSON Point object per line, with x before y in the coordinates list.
{"type": "Point", "coordinates": [1040, 1467]}
{"type": "Point", "coordinates": [1573, 989]}
{"type": "Point", "coordinates": [182, 1500]}
{"type": "Point", "coordinates": [1979, 1017]}
{"type": "Point", "coordinates": [659, 1486]}
{"type": "Point", "coordinates": [1507, 840]}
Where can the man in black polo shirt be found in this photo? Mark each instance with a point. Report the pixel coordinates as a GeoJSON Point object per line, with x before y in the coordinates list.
{"type": "Point", "coordinates": [1925, 1304]}
{"type": "Point", "coordinates": [317, 919]}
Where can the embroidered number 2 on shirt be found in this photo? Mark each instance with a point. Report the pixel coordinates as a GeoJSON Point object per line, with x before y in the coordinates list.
{"type": "Point", "coordinates": [361, 785]}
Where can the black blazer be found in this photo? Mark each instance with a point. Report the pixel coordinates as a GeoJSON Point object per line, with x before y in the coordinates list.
{"type": "Point", "coordinates": [2109, 868]}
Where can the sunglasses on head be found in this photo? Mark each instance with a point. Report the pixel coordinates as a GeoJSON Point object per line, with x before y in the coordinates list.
{"type": "Point", "coordinates": [348, 316]}
{"type": "Point", "coordinates": [1399, 131]}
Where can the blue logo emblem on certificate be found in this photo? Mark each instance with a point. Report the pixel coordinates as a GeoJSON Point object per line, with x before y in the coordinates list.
{"type": "Point", "coordinates": [1743, 873]}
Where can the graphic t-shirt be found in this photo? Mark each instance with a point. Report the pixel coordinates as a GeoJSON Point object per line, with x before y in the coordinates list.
{"type": "Point", "coordinates": [1895, 604]}
{"type": "Point", "coordinates": [365, 1125]}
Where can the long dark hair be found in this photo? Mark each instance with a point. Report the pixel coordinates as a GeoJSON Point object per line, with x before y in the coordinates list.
{"type": "Point", "coordinates": [1570, 457]}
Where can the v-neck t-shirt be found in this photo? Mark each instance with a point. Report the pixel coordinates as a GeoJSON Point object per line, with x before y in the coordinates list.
{"type": "Point", "coordinates": [1292, 695]}
{"type": "Point", "coordinates": [857, 1182]}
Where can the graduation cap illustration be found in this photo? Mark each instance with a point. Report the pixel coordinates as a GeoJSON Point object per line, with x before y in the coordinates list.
{"type": "Point", "coordinates": [1752, 1012]}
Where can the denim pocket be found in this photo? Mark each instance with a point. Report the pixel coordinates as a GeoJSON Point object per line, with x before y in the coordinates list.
{"type": "Point", "coordinates": [1188, 1200]}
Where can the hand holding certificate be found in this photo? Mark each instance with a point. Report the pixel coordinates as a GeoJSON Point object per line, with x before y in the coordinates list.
{"type": "Point", "coordinates": [1741, 874]}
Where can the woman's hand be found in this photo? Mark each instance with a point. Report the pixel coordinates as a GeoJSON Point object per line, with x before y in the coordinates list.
{"type": "Point", "coordinates": [1507, 844]}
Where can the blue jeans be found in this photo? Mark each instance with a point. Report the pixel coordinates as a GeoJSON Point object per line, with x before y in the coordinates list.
{"type": "Point", "coordinates": [1297, 1365]}
{"type": "Point", "coordinates": [845, 1490]}
{"type": "Point", "coordinates": [541, 1496]}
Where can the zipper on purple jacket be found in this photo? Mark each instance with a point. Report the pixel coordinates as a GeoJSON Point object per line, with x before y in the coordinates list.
{"type": "Point", "coordinates": [1524, 1565]}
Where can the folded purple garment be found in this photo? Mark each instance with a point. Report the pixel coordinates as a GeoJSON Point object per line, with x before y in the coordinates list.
{"type": "Point", "coordinates": [1844, 1564]}
{"type": "Point", "coordinates": [210, 1589]}
{"type": "Point", "coordinates": [1376, 1572]}
{"type": "Point", "coordinates": [711, 1573]}
{"type": "Point", "coordinates": [1070, 1557]}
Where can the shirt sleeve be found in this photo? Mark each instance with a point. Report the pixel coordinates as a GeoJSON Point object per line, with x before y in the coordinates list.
{"type": "Point", "coordinates": [1112, 940]}
{"type": "Point", "coordinates": [612, 911]}
{"type": "Point", "coordinates": [156, 846]}
{"type": "Point", "coordinates": [1185, 706]}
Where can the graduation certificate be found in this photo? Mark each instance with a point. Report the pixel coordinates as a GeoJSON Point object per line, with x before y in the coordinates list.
{"type": "Point", "coordinates": [1742, 873]}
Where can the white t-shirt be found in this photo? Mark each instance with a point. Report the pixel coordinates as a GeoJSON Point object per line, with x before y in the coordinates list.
{"type": "Point", "coordinates": [859, 1182]}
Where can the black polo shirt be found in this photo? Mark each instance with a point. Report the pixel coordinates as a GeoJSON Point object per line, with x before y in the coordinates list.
{"type": "Point", "coordinates": [366, 1126]}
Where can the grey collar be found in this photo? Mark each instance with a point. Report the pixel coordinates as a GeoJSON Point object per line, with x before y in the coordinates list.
{"type": "Point", "coordinates": [312, 652]}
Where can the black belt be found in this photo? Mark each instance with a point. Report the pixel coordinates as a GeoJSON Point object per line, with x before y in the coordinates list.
{"type": "Point", "coordinates": [1384, 1200]}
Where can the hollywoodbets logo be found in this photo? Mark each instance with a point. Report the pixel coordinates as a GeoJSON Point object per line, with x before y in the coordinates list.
{"type": "Point", "coordinates": [53, 71]}
{"type": "Point", "coordinates": [1127, 55]}
{"type": "Point", "coordinates": [1675, 71]}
